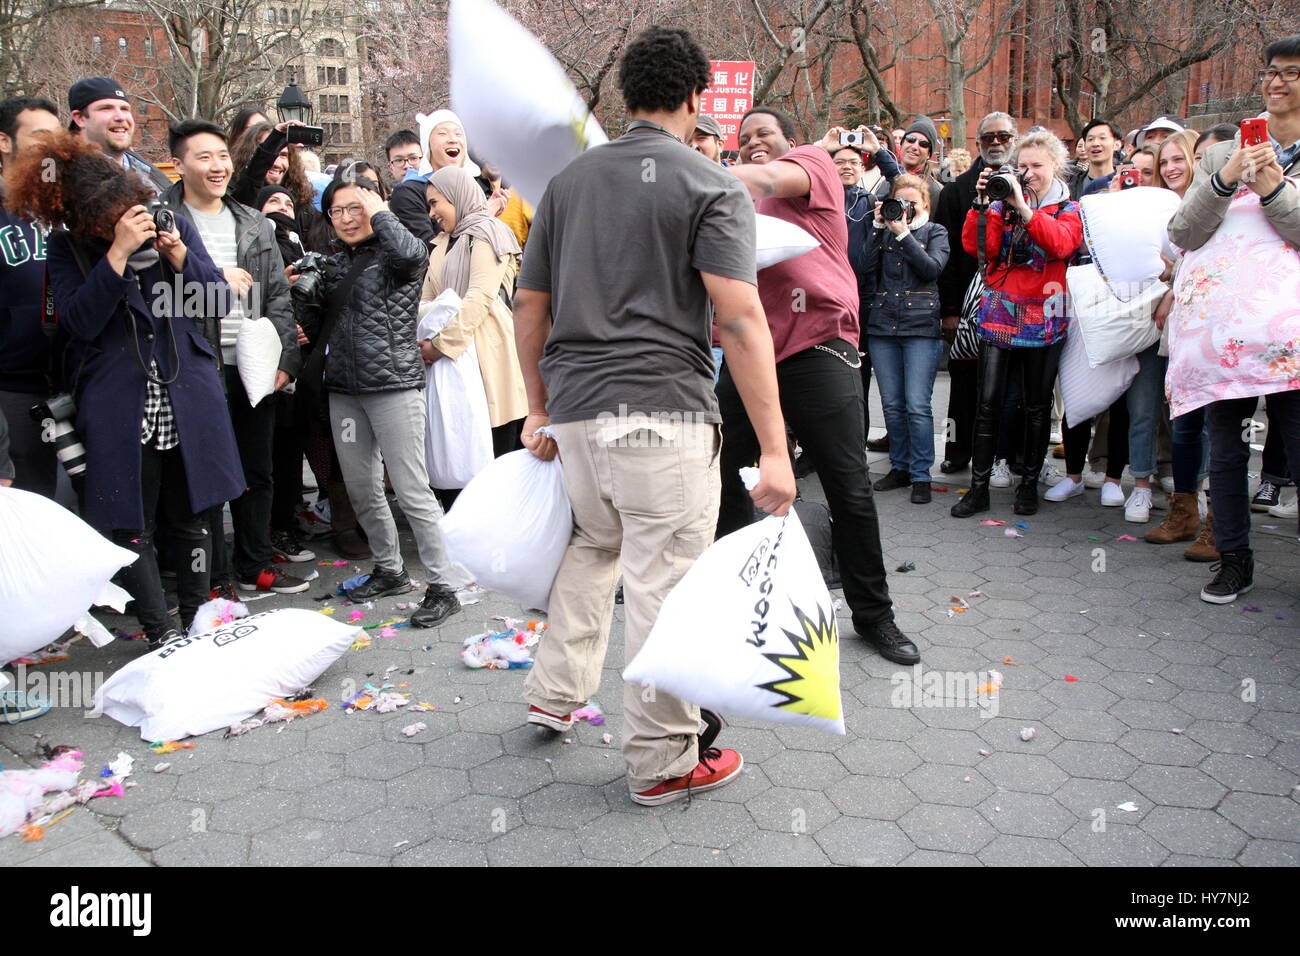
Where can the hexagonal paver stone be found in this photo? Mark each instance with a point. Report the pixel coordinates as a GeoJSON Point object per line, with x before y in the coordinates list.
{"type": "Point", "coordinates": [344, 734]}
{"type": "Point", "coordinates": [477, 819]}
{"type": "Point", "coordinates": [1221, 737]}
{"type": "Point", "coordinates": [1113, 846]}
{"type": "Point", "coordinates": [387, 830]}
{"type": "Point", "coordinates": [1087, 725]}
{"type": "Point", "coordinates": [1030, 773]}
{"type": "Point", "coordinates": [342, 799]}
{"type": "Point", "coordinates": [804, 768]}
{"type": "Point", "coordinates": [298, 843]}
{"type": "Point", "coordinates": [535, 846]}
{"type": "Point", "coordinates": [1218, 705]}
{"type": "Point", "coordinates": [769, 848]}
{"type": "Point", "coordinates": [462, 751]}
{"type": "Point", "coordinates": [1094, 800]}
{"type": "Point", "coordinates": [851, 842]}
{"type": "Point", "coordinates": [205, 849]}
{"type": "Point", "coordinates": [1271, 818]}
{"type": "Point", "coordinates": [943, 784]}
{"type": "Point", "coordinates": [679, 855]}
{"type": "Point", "coordinates": [950, 829]}
{"type": "Point", "coordinates": [255, 811]}
{"type": "Point", "coordinates": [1194, 832]}
{"type": "Point", "coordinates": [219, 782]}
{"type": "Point", "coordinates": [152, 827]}
{"type": "Point", "coordinates": [383, 760]}
{"type": "Point", "coordinates": [1150, 715]}
{"type": "Point", "coordinates": [705, 822]}
{"type": "Point", "coordinates": [960, 747]}
{"type": "Point", "coordinates": [303, 771]}
{"type": "Point", "coordinates": [1081, 695]}
{"type": "Point", "coordinates": [427, 787]}
{"type": "Point", "coordinates": [266, 746]}
{"type": "Point", "coordinates": [880, 758]}
{"type": "Point", "coordinates": [1270, 853]}
{"type": "Point", "coordinates": [791, 811]}
{"type": "Point", "coordinates": [494, 717]}
{"type": "Point", "coordinates": [622, 837]}
{"type": "Point", "coordinates": [1152, 746]}
{"type": "Point", "coordinates": [1104, 761]}
{"type": "Point", "coordinates": [1178, 786]}
{"type": "Point", "coordinates": [879, 798]}
{"type": "Point", "coordinates": [510, 776]}
{"type": "Point", "coordinates": [594, 766]}
{"type": "Point", "coordinates": [1026, 851]}
{"type": "Point", "coordinates": [1027, 814]}
{"type": "Point", "coordinates": [440, 852]}
{"type": "Point", "coordinates": [563, 805]}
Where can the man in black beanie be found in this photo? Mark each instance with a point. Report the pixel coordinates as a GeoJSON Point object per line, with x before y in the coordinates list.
{"type": "Point", "coordinates": [920, 140]}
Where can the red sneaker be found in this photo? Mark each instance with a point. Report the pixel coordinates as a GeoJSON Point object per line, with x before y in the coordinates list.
{"type": "Point", "coordinates": [550, 721]}
{"type": "Point", "coordinates": [716, 768]}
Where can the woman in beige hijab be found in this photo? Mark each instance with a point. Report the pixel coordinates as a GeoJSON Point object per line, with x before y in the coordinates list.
{"type": "Point", "coordinates": [478, 256]}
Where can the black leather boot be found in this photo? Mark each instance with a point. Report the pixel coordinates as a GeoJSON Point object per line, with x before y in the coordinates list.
{"type": "Point", "coordinates": [1027, 497]}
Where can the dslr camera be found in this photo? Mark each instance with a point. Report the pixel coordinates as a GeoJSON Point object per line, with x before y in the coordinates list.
{"type": "Point", "coordinates": [308, 269]}
{"type": "Point", "coordinates": [58, 412]}
{"type": "Point", "coordinates": [999, 185]}
{"type": "Point", "coordinates": [892, 210]}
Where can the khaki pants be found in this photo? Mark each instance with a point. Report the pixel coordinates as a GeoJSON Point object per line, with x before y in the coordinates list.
{"type": "Point", "coordinates": [650, 499]}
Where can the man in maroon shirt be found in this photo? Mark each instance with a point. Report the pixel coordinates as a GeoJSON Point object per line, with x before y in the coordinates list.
{"type": "Point", "coordinates": [811, 303]}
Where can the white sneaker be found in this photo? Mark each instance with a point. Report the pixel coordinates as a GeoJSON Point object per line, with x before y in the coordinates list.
{"type": "Point", "coordinates": [1138, 507]}
{"type": "Point", "coordinates": [1112, 495]}
{"type": "Point", "coordinates": [1093, 479]}
{"type": "Point", "coordinates": [1287, 510]}
{"type": "Point", "coordinates": [1049, 476]}
{"type": "Point", "coordinates": [1001, 477]}
{"type": "Point", "coordinates": [1067, 487]}
{"type": "Point", "coordinates": [1167, 483]}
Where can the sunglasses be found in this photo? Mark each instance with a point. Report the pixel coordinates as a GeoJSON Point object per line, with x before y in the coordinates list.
{"type": "Point", "coordinates": [917, 140]}
{"type": "Point", "coordinates": [988, 139]}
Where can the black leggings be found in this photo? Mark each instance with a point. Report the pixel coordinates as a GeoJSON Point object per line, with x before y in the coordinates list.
{"type": "Point", "coordinates": [1037, 370]}
{"type": "Point", "coordinates": [1078, 437]}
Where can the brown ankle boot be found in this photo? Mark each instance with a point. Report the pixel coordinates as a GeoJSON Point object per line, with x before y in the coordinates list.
{"type": "Point", "coordinates": [1181, 523]}
{"type": "Point", "coordinates": [1203, 549]}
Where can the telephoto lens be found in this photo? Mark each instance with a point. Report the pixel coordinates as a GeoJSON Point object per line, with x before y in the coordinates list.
{"type": "Point", "coordinates": [55, 416]}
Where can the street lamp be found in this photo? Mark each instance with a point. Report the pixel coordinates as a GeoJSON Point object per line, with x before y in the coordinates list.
{"type": "Point", "coordinates": [293, 105]}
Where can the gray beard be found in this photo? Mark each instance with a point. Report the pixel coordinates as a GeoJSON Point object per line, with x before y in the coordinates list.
{"type": "Point", "coordinates": [995, 163]}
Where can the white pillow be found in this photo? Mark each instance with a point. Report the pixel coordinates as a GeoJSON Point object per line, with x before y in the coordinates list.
{"type": "Point", "coordinates": [257, 356]}
{"type": "Point", "coordinates": [1111, 328]}
{"type": "Point", "coordinates": [750, 631]}
{"type": "Point", "coordinates": [519, 108]}
{"type": "Point", "coordinates": [778, 240]}
{"type": "Point", "coordinates": [1126, 232]}
{"type": "Point", "coordinates": [1087, 391]}
{"type": "Point", "coordinates": [197, 684]}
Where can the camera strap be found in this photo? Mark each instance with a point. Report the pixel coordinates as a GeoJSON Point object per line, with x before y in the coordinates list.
{"type": "Point", "coordinates": [50, 314]}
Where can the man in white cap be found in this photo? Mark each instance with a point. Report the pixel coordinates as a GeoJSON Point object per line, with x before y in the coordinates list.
{"type": "Point", "coordinates": [1159, 130]}
{"type": "Point", "coordinates": [445, 144]}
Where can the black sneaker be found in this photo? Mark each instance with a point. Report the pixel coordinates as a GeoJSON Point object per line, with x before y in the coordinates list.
{"type": "Point", "coordinates": [273, 579]}
{"type": "Point", "coordinates": [921, 493]}
{"type": "Point", "coordinates": [890, 643]}
{"type": "Point", "coordinates": [166, 637]}
{"type": "Point", "coordinates": [1268, 496]}
{"type": "Point", "coordinates": [286, 547]}
{"type": "Point", "coordinates": [952, 467]}
{"type": "Point", "coordinates": [1234, 575]}
{"type": "Point", "coordinates": [439, 604]}
{"type": "Point", "coordinates": [895, 479]}
{"type": "Point", "coordinates": [382, 583]}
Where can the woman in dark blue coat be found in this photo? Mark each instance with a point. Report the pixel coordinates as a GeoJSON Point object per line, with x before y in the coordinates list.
{"type": "Point", "coordinates": [901, 322]}
{"type": "Point", "coordinates": [150, 407]}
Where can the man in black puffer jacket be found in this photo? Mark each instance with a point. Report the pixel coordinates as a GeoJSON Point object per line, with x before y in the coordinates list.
{"type": "Point", "coordinates": [361, 304]}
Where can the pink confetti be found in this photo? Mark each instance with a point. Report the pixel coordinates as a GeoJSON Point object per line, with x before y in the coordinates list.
{"type": "Point", "coordinates": [1071, 678]}
{"type": "Point", "coordinates": [1250, 607]}
{"type": "Point", "coordinates": [1126, 537]}
{"type": "Point", "coordinates": [388, 632]}
{"type": "Point", "coordinates": [1012, 533]}
{"type": "Point", "coordinates": [356, 616]}
{"type": "Point", "coordinates": [991, 522]}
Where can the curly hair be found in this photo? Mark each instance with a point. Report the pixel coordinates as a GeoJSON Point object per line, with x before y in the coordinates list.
{"type": "Point", "coordinates": [661, 68]}
{"type": "Point", "coordinates": [65, 180]}
{"type": "Point", "coordinates": [295, 177]}
{"type": "Point", "coordinates": [1048, 143]}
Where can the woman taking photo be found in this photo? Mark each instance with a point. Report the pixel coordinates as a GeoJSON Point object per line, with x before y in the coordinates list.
{"type": "Point", "coordinates": [150, 408]}
{"type": "Point", "coordinates": [477, 255]}
{"type": "Point", "coordinates": [1029, 240]}
{"type": "Point", "coordinates": [905, 257]}
{"type": "Point", "coordinates": [263, 157]}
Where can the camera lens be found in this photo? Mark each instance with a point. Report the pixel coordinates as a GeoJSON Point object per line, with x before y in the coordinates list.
{"type": "Point", "coordinates": [891, 210]}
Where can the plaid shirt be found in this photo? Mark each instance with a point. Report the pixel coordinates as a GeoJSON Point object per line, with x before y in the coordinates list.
{"type": "Point", "coordinates": [158, 430]}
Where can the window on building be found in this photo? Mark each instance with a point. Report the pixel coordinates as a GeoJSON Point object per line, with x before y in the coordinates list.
{"type": "Point", "coordinates": [295, 18]}
{"type": "Point", "coordinates": [148, 43]}
{"type": "Point", "coordinates": [96, 45]}
{"type": "Point", "coordinates": [320, 76]}
{"type": "Point", "coordinates": [332, 73]}
{"type": "Point", "coordinates": [270, 15]}
{"type": "Point", "coordinates": [343, 76]}
{"type": "Point", "coordinates": [284, 16]}
{"type": "Point", "coordinates": [122, 48]}
{"type": "Point", "coordinates": [343, 105]}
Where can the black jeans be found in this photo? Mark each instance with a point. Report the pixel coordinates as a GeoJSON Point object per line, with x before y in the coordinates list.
{"type": "Point", "coordinates": [963, 393]}
{"type": "Point", "coordinates": [1037, 370]}
{"type": "Point", "coordinates": [821, 398]}
{"type": "Point", "coordinates": [251, 511]}
{"type": "Point", "coordinates": [1230, 436]}
{"type": "Point", "coordinates": [1077, 439]}
{"type": "Point", "coordinates": [289, 438]}
{"type": "Point", "coordinates": [36, 469]}
{"type": "Point", "coordinates": [164, 490]}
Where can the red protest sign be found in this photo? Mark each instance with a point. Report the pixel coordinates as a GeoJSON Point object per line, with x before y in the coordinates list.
{"type": "Point", "coordinates": [729, 97]}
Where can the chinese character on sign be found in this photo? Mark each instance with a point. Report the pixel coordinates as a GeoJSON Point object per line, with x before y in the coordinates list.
{"type": "Point", "coordinates": [720, 104]}
{"type": "Point", "coordinates": [742, 79]}
{"type": "Point", "coordinates": [740, 105]}
{"type": "Point", "coordinates": [719, 78]}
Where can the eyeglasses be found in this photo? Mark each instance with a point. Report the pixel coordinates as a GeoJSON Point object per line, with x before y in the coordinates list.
{"type": "Point", "coordinates": [1289, 74]}
{"type": "Point", "coordinates": [413, 160]}
{"type": "Point", "coordinates": [848, 162]}
{"type": "Point", "coordinates": [355, 211]}
{"type": "Point", "coordinates": [917, 140]}
{"type": "Point", "coordinates": [988, 139]}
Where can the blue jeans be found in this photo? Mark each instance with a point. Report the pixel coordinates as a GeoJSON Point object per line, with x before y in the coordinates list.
{"type": "Point", "coordinates": [1144, 398]}
{"type": "Point", "coordinates": [1191, 444]}
{"type": "Point", "coordinates": [905, 366]}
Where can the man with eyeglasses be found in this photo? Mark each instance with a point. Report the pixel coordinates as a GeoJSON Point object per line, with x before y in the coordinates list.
{"type": "Point", "coordinates": [996, 135]}
{"type": "Point", "coordinates": [918, 146]}
{"type": "Point", "coordinates": [1253, 276]}
{"type": "Point", "coordinates": [403, 152]}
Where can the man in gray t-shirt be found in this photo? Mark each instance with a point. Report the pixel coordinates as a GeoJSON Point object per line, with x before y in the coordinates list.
{"type": "Point", "coordinates": [632, 249]}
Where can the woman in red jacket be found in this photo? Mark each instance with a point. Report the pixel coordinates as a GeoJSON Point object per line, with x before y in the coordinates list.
{"type": "Point", "coordinates": [1029, 240]}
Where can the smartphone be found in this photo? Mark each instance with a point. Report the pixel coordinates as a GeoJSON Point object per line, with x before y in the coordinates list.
{"type": "Point", "coordinates": [851, 138]}
{"type": "Point", "coordinates": [306, 135]}
{"type": "Point", "coordinates": [1254, 131]}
